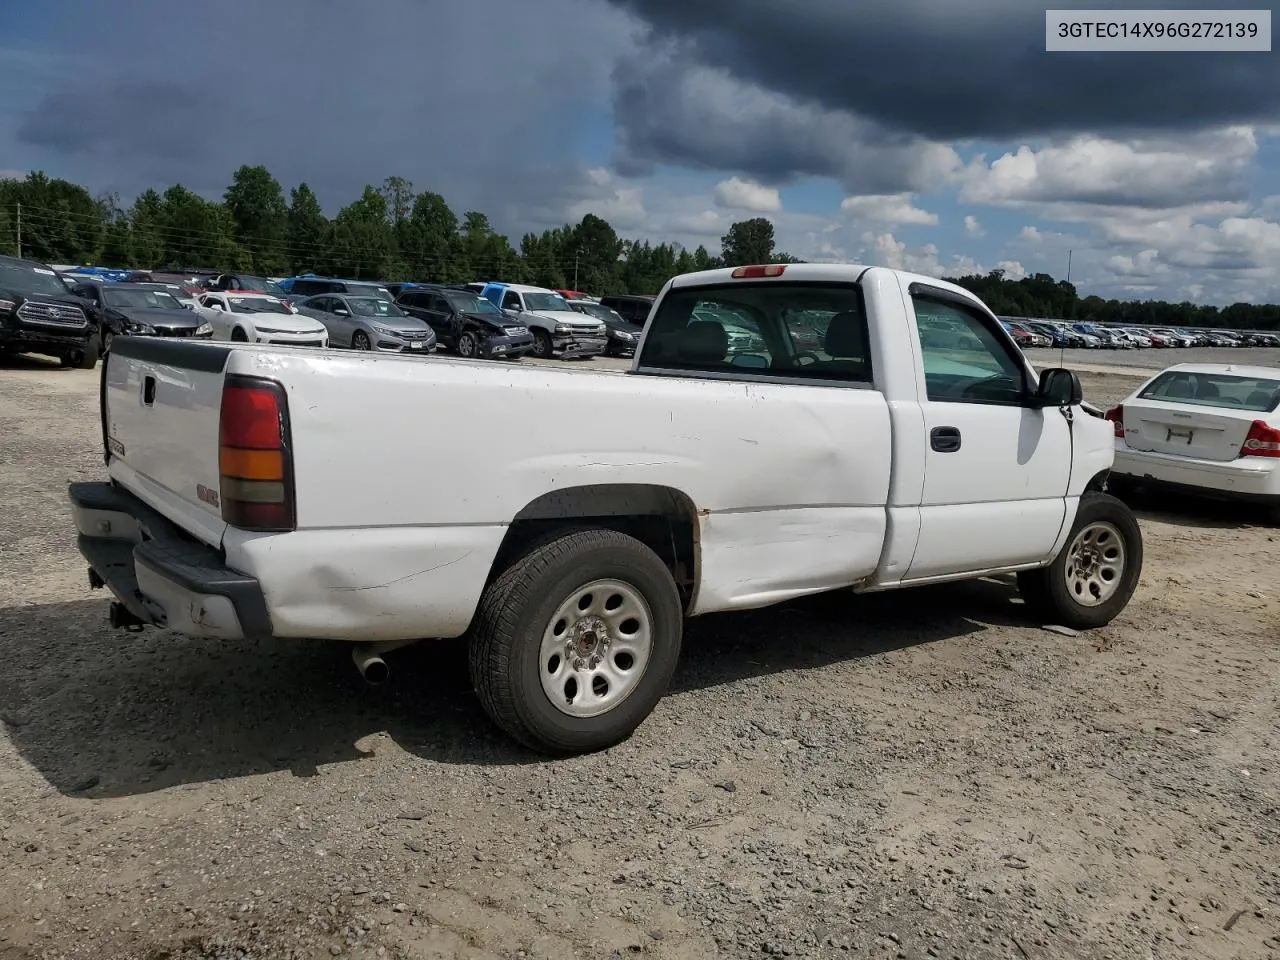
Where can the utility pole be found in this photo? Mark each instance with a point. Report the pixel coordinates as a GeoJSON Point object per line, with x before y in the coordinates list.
{"type": "Point", "coordinates": [575, 269]}
{"type": "Point", "coordinates": [1068, 266]}
{"type": "Point", "coordinates": [19, 231]}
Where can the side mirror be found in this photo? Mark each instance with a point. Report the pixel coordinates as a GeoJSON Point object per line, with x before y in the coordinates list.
{"type": "Point", "coordinates": [1059, 387]}
{"type": "Point", "coordinates": [516, 309]}
{"type": "Point", "coordinates": [339, 312]}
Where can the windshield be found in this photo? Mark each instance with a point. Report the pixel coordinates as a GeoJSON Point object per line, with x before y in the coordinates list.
{"type": "Point", "coordinates": [545, 301]}
{"type": "Point", "coordinates": [599, 311]}
{"type": "Point", "coordinates": [468, 303]}
{"type": "Point", "coordinates": [373, 307]}
{"type": "Point", "coordinates": [369, 290]}
{"type": "Point", "coordinates": [31, 278]}
{"type": "Point", "coordinates": [126, 299]}
{"type": "Point", "coordinates": [261, 286]}
{"type": "Point", "coordinates": [1254, 394]}
{"type": "Point", "coordinates": [257, 305]}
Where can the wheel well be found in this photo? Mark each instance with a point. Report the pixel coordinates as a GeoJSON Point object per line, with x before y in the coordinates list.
{"type": "Point", "coordinates": [662, 518]}
{"type": "Point", "coordinates": [1099, 483]}
{"type": "Point", "coordinates": [239, 334]}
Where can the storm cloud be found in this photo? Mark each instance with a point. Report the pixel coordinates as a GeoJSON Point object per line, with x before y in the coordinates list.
{"type": "Point", "coordinates": [335, 94]}
{"type": "Point", "coordinates": [944, 70]}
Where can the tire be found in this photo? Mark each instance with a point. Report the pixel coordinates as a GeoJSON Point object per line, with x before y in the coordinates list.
{"type": "Point", "coordinates": [468, 346]}
{"type": "Point", "coordinates": [542, 348]}
{"type": "Point", "coordinates": [1060, 594]}
{"type": "Point", "coordinates": [360, 341]}
{"type": "Point", "coordinates": [514, 640]}
{"type": "Point", "coordinates": [239, 336]}
{"type": "Point", "coordinates": [87, 359]}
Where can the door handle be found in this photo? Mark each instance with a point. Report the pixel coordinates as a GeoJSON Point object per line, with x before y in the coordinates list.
{"type": "Point", "coordinates": [148, 390]}
{"type": "Point", "coordinates": [945, 439]}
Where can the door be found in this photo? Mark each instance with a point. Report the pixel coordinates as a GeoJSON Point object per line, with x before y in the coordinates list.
{"type": "Point", "coordinates": [439, 315]}
{"type": "Point", "coordinates": [341, 328]}
{"type": "Point", "coordinates": [996, 469]}
{"type": "Point", "coordinates": [511, 304]}
{"type": "Point", "coordinates": [216, 313]}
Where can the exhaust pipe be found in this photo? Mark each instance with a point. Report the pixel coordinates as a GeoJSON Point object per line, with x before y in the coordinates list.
{"type": "Point", "coordinates": [121, 617]}
{"type": "Point", "coordinates": [372, 667]}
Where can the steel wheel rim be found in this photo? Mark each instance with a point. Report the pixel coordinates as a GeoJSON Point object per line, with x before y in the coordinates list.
{"type": "Point", "coordinates": [596, 648]}
{"type": "Point", "coordinates": [540, 347]}
{"type": "Point", "coordinates": [1095, 564]}
{"type": "Point", "coordinates": [466, 346]}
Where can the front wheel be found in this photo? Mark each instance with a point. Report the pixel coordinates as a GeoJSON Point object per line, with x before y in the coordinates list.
{"type": "Point", "coordinates": [1093, 578]}
{"type": "Point", "coordinates": [360, 341]}
{"type": "Point", "coordinates": [575, 643]}
{"type": "Point", "coordinates": [468, 345]}
{"type": "Point", "coordinates": [542, 348]}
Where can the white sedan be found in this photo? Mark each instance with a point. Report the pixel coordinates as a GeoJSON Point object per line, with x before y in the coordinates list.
{"type": "Point", "coordinates": [1205, 428]}
{"type": "Point", "coordinates": [259, 318]}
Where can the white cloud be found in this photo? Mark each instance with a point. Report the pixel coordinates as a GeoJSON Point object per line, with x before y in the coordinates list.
{"type": "Point", "coordinates": [887, 208]}
{"type": "Point", "coordinates": [973, 228]}
{"type": "Point", "coordinates": [1013, 269]}
{"type": "Point", "coordinates": [616, 201]}
{"type": "Point", "coordinates": [738, 194]}
{"type": "Point", "coordinates": [12, 175]}
{"type": "Point", "coordinates": [1090, 171]}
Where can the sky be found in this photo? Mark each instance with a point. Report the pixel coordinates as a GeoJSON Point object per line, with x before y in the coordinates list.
{"type": "Point", "coordinates": [932, 135]}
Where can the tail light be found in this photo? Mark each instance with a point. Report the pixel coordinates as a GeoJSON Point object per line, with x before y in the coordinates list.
{"type": "Point", "coordinates": [1263, 441]}
{"type": "Point", "coordinates": [759, 270]}
{"type": "Point", "coordinates": [1116, 416]}
{"type": "Point", "coordinates": [255, 462]}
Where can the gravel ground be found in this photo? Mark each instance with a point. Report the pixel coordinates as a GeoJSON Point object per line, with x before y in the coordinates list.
{"type": "Point", "coordinates": [924, 774]}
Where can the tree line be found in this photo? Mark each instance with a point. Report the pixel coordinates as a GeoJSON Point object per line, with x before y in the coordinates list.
{"type": "Point", "coordinates": [391, 233]}
{"type": "Point", "coordinates": [395, 232]}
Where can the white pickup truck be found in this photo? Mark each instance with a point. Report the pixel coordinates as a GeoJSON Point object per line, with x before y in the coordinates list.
{"type": "Point", "coordinates": [877, 430]}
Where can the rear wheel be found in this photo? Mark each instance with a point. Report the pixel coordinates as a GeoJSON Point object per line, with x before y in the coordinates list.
{"type": "Point", "coordinates": [360, 341]}
{"type": "Point", "coordinates": [542, 348]}
{"type": "Point", "coordinates": [1093, 577]}
{"type": "Point", "coordinates": [468, 345]}
{"type": "Point", "coordinates": [575, 643]}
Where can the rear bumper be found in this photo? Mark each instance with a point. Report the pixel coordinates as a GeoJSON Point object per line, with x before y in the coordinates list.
{"type": "Point", "coordinates": [160, 575]}
{"type": "Point", "coordinates": [1254, 479]}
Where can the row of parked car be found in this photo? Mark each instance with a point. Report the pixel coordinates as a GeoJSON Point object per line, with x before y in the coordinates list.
{"type": "Point", "coordinates": [73, 314]}
{"type": "Point", "coordinates": [1057, 333]}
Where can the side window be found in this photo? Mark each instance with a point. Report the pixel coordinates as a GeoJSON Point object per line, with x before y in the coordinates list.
{"type": "Point", "coordinates": [511, 300]}
{"type": "Point", "coordinates": [964, 360]}
{"type": "Point", "coordinates": [323, 304]}
{"type": "Point", "coordinates": [437, 304]}
{"type": "Point", "coordinates": [332, 287]}
{"type": "Point", "coordinates": [304, 288]}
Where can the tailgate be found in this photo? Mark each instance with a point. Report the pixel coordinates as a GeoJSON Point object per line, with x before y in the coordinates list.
{"type": "Point", "coordinates": [1184, 430]}
{"type": "Point", "coordinates": [161, 402]}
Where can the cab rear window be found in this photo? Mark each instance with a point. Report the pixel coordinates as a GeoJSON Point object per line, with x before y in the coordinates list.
{"type": "Point", "coordinates": [810, 331]}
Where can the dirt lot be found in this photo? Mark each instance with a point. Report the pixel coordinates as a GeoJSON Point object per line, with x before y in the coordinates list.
{"type": "Point", "coordinates": [916, 775]}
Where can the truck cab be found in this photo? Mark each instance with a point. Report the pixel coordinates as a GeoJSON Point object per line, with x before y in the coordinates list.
{"type": "Point", "coordinates": [558, 330]}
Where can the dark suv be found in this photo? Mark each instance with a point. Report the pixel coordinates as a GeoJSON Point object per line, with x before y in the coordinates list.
{"type": "Point", "coordinates": [39, 315]}
{"type": "Point", "coordinates": [632, 308]}
{"type": "Point", "coordinates": [466, 323]}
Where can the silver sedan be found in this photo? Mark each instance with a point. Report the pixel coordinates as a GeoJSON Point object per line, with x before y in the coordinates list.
{"type": "Point", "coordinates": [369, 323]}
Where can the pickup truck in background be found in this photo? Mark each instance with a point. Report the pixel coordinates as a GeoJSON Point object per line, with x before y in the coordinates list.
{"type": "Point", "coordinates": [912, 445]}
{"type": "Point", "coordinates": [38, 314]}
{"type": "Point", "coordinates": [558, 330]}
